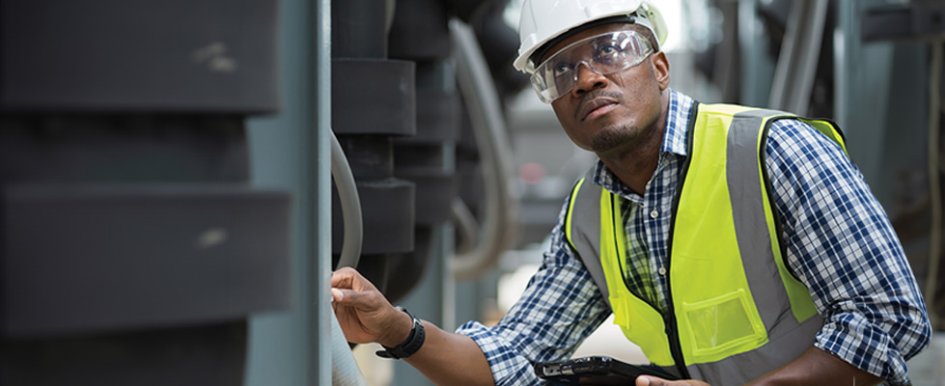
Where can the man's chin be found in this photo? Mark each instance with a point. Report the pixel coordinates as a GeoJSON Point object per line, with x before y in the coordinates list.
{"type": "Point", "coordinates": [612, 138]}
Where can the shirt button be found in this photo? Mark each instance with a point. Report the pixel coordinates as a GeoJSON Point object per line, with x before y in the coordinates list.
{"type": "Point", "coordinates": [662, 271]}
{"type": "Point", "coordinates": [655, 213]}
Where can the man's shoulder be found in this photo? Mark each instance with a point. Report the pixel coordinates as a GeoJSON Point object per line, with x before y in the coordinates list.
{"type": "Point", "coordinates": [795, 131]}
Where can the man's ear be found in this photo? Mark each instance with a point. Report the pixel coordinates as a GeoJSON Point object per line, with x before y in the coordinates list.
{"type": "Point", "coordinates": [661, 69]}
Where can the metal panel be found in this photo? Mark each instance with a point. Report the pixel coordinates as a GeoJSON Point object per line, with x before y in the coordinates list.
{"type": "Point", "coordinates": [359, 28]}
{"type": "Point", "coordinates": [906, 20]}
{"type": "Point", "coordinates": [123, 148]}
{"type": "Point", "coordinates": [434, 194]}
{"type": "Point", "coordinates": [211, 355]}
{"type": "Point", "coordinates": [388, 206]}
{"type": "Point", "coordinates": [138, 55]}
{"type": "Point", "coordinates": [438, 114]}
{"type": "Point", "coordinates": [85, 258]}
{"type": "Point", "coordinates": [373, 96]}
{"type": "Point", "coordinates": [420, 30]}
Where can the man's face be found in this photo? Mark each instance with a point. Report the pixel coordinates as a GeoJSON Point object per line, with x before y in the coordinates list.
{"type": "Point", "coordinates": [603, 113]}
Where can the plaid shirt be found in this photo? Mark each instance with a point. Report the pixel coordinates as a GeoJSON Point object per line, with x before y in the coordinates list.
{"type": "Point", "coordinates": [839, 242]}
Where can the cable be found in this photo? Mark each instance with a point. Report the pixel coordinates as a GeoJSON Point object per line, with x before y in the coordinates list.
{"type": "Point", "coordinates": [935, 240]}
{"type": "Point", "coordinates": [350, 206]}
{"type": "Point", "coordinates": [465, 226]}
{"type": "Point", "coordinates": [485, 114]}
{"type": "Point", "coordinates": [344, 370]}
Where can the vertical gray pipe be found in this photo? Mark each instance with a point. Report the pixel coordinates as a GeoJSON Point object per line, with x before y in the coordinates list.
{"type": "Point", "coordinates": [319, 160]}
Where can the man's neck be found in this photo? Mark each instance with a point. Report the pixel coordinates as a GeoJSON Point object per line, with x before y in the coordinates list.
{"type": "Point", "coordinates": [635, 165]}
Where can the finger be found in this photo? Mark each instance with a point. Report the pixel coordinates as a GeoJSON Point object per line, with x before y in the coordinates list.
{"type": "Point", "coordinates": [337, 295]}
{"type": "Point", "coordinates": [343, 277]}
{"type": "Point", "coordinates": [350, 278]}
{"type": "Point", "coordinates": [361, 300]}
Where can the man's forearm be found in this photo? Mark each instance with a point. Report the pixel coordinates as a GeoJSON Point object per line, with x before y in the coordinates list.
{"type": "Point", "coordinates": [814, 368]}
{"type": "Point", "coordinates": [451, 359]}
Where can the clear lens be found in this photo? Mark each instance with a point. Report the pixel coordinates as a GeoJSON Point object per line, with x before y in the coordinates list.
{"type": "Point", "coordinates": [605, 54]}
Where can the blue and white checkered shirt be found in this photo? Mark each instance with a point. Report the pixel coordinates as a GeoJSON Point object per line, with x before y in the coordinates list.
{"type": "Point", "coordinates": [839, 242]}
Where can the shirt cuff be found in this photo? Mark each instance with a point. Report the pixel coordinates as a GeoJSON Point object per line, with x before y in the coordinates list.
{"type": "Point", "coordinates": [853, 339]}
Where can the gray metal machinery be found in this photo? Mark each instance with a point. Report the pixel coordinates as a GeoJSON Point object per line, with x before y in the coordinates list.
{"type": "Point", "coordinates": [398, 113]}
{"type": "Point", "coordinates": [134, 249]}
{"type": "Point", "coordinates": [149, 237]}
{"type": "Point", "coordinates": [373, 101]}
{"type": "Point", "coordinates": [874, 66]}
{"type": "Point", "coordinates": [918, 29]}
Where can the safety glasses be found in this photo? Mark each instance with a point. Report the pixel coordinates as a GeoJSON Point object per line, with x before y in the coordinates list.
{"type": "Point", "coordinates": [605, 54]}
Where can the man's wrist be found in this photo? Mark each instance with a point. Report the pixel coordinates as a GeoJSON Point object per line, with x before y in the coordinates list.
{"type": "Point", "coordinates": [409, 345]}
{"type": "Point", "coordinates": [399, 330]}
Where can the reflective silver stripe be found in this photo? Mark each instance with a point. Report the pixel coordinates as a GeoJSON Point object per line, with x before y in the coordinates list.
{"type": "Point", "coordinates": [585, 231]}
{"type": "Point", "coordinates": [751, 228]}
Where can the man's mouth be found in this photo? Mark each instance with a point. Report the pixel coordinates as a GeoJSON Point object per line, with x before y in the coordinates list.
{"type": "Point", "coordinates": [596, 108]}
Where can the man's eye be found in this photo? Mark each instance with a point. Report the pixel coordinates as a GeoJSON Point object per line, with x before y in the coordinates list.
{"type": "Point", "coordinates": [561, 68]}
{"type": "Point", "coordinates": [608, 50]}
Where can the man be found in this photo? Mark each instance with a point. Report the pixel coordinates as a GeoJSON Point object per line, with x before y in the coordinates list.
{"type": "Point", "coordinates": [734, 245]}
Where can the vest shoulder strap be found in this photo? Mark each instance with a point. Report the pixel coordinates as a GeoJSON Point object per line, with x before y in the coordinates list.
{"type": "Point", "coordinates": [582, 228]}
{"type": "Point", "coordinates": [825, 126]}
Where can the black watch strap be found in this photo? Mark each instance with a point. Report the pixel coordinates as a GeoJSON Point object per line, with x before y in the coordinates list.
{"type": "Point", "coordinates": [411, 345]}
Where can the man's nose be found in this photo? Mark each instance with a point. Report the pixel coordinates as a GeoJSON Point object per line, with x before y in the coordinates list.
{"type": "Point", "coordinates": [588, 78]}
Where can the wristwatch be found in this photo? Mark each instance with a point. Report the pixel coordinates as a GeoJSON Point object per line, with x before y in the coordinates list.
{"type": "Point", "coordinates": [409, 346]}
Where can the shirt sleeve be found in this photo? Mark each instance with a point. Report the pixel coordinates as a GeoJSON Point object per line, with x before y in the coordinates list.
{"type": "Point", "coordinates": [560, 307]}
{"type": "Point", "coordinates": [841, 245]}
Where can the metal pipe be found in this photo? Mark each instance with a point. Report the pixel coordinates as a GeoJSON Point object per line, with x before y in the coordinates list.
{"type": "Point", "coordinates": [935, 194]}
{"type": "Point", "coordinates": [482, 101]}
{"type": "Point", "coordinates": [350, 206]}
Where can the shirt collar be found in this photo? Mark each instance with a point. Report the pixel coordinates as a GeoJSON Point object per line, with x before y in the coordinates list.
{"type": "Point", "coordinates": [675, 135]}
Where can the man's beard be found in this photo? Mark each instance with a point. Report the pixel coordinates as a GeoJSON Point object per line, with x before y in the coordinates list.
{"type": "Point", "coordinates": [618, 137]}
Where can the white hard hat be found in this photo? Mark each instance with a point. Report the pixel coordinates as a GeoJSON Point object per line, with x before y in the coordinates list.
{"type": "Point", "coordinates": [544, 20]}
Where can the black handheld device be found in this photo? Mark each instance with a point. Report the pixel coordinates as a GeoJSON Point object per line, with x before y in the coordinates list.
{"type": "Point", "coordinates": [596, 371]}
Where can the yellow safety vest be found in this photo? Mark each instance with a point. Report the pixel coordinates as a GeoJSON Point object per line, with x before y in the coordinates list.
{"type": "Point", "coordinates": [729, 318]}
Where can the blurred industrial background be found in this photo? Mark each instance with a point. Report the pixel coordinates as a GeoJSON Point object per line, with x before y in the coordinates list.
{"type": "Point", "coordinates": [168, 215]}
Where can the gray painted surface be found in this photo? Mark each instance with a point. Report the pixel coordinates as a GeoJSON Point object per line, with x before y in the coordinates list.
{"type": "Point", "coordinates": [862, 89]}
{"type": "Point", "coordinates": [426, 302]}
{"type": "Point", "coordinates": [290, 151]}
{"type": "Point", "coordinates": [757, 67]}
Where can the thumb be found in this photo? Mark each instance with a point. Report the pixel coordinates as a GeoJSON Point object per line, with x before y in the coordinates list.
{"type": "Point", "coordinates": [644, 380]}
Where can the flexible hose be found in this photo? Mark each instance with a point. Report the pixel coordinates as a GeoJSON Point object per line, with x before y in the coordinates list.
{"type": "Point", "coordinates": [344, 370]}
{"type": "Point", "coordinates": [465, 224]}
{"type": "Point", "coordinates": [935, 237]}
{"type": "Point", "coordinates": [350, 206]}
{"type": "Point", "coordinates": [488, 124]}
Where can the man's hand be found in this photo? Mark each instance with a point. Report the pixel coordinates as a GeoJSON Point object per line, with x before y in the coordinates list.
{"type": "Point", "coordinates": [364, 314]}
{"type": "Point", "coordinates": [646, 380]}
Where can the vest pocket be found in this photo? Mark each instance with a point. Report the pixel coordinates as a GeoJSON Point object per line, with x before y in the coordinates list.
{"type": "Point", "coordinates": [723, 325]}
